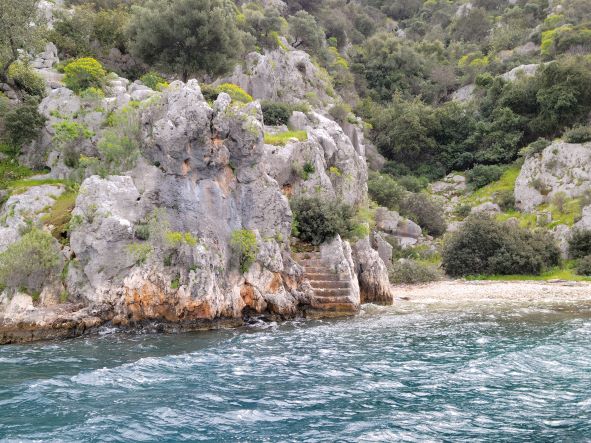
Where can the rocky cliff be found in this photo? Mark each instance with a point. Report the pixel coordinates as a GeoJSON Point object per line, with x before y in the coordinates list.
{"type": "Point", "coordinates": [153, 240]}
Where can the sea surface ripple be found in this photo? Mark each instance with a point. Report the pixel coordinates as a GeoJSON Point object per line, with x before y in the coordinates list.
{"type": "Point", "coordinates": [439, 376]}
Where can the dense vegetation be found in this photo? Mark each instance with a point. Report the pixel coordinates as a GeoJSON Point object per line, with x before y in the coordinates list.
{"type": "Point", "coordinates": [395, 63]}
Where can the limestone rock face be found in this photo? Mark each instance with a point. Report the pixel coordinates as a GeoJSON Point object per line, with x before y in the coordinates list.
{"type": "Point", "coordinates": [337, 254]}
{"type": "Point", "coordinates": [339, 170]}
{"type": "Point", "coordinates": [284, 75]}
{"type": "Point", "coordinates": [373, 274]}
{"type": "Point", "coordinates": [25, 208]}
{"type": "Point", "coordinates": [560, 168]}
{"type": "Point", "coordinates": [523, 70]}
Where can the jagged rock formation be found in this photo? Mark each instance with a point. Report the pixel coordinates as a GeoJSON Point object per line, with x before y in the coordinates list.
{"type": "Point", "coordinates": [204, 173]}
{"type": "Point", "coordinates": [283, 75]}
{"type": "Point", "coordinates": [560, 168]}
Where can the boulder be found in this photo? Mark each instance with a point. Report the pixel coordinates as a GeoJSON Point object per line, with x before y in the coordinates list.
{"type": "Point", "coordinates": [373, 274]}
{"type": "Point", "coordinates": [560, 168]}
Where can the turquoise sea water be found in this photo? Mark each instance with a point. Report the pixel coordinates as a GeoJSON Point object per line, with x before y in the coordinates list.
{"type": "Point", "coordinates": [523, 375]}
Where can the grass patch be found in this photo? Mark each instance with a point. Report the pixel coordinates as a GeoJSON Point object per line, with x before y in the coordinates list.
{"type": "Point", "coordinates": [571, 212]}
{"type": "Point", "coordinates": [60, 214]}
{"type": "Point", "coordinates": [282, 138]}
{"type": "Point", "coordinates": [29, 183]}
{"type": "Point", "coordinates": [487, 193]}
{"type": "Point", "coordinates": [11, 172]}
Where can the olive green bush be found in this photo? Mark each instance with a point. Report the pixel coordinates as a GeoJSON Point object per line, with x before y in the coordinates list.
{"type": "Point", "coordinates": [425, 212]}
{"type": "Point", "coordinates": [482, 175]}
{"type": "Point", "coordinates": [583, 266]}
{"type": "Point", "coordinates": [317, 220]}
{"type": "Point", "coordinates": [407, 271]}
{"type": "Point", "coordinates": [484, 246]}
{"type": "Point", "coordinates": [26, 79]}
{"type": "Point", "coordinates": [23, 123]}
{"type": "Point", "coordinates": [385, 190]}
{"type": "Point", "coordinates": [31, 262]}
{"type": "Point", "coordinates": [579, 244]}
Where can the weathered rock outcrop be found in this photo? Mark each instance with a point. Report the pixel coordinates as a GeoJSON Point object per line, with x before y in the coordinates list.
{"type": "Point", "coordinates": [284, 75]}
{"type": "Point", "coordinates": [154, 244]}
{"type": "Point", "coordinates": [560, 168]}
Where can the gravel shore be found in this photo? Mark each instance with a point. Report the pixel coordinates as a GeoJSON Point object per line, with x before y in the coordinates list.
{"type": "Point", "coordinates": [461, 294]}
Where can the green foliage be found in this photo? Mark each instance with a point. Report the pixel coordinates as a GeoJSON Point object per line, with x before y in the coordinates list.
{"type": "Point", "coordinates": [578, 134]}
{"type": "Point", "coordinates": [484, 246]}
{"type": "Point", "coordinates": [282, 138]}
{"type": "Point", "coordinates": [463, 210]}
{"type": "Point", "coordinates": [23, 123]}
{"type": "Point", "coordinates": [244, 244]}
{"type": "Point", "coordinates": [505, 199]}
{"type": "Point", "coordinates": [579, 244]}
{"type": "Point", "coordinates": [584, 266]}
{"type": "Point", "coordinates": [154, 81]}
{"type": "Point", "coordinates": [84, 73]}
{"type": "Point", "coordinates": [384, 190]}
{"type": "Point", "coordinates": [235, 92]}
{"type": "Point", "coordinates": [140, 252]}
{"type": "Point", "coordinates": [60, 215]}
{"type": "Point", "coordinates": [278, 113]}
{"type": "Point", "coordinates": [31, 262]}
{"type": "Point", "coordinates": [407, 271]}
{"type": "Point", "coordinates": [340, 112]}
{"type": "Point", "coordinates": [26, 79]}
{"type": "Point", "coordinates": [67, 138]}
{"type": "Point", "coordinates": [11, 171]}
{"type": "Point", "coordinates": [305, 31]}
{"type": "Point", "coordinates": [318, 220]}
{"type": "Point", "coordinates": [425, 212]}
{"type": "Point", "coordinates": [177, 239]}
{"type": "Point", "coordinates": [120, 144]}
{"type": "Point", "coordinates": [16, 32]}
{"type": "Point", "coordinates": [482, 175]}
{"type": "Point", "coordinates": [186, 36]}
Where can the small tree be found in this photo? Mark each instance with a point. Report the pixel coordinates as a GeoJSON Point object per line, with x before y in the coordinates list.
{"type": "Point", "coordinates": [305, 31]}
{"type": "Point", "coordinates": [244, 244]}
{"type": "Point", "coordinates": [186, 36]}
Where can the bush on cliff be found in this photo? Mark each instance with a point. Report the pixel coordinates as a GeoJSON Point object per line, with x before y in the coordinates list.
{"type": "Point", "coordinates": [317, 220]}
{"type": "Point", "coordinates": [425, 212]}
{"type": "Point", "coordinates": [23, 123]}
{"type": "Point", "coordinates": [84, 73]}
{"type": "Point", "coordinates": [31, 262]}
{"type": "Point", "coordinates": [244, 245]}
{"type": "Point", "coordinates": [484, 246]}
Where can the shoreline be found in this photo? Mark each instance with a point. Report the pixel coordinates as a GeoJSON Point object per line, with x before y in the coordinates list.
{"type": "Point", "coordinates": [468, 294]}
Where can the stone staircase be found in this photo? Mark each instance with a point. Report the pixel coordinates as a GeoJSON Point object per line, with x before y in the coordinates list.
{"type": "Point", "coordinates": [331, 291]}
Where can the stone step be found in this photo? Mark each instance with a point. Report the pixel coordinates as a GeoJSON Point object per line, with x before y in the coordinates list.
{"type": "Point", "coordinates": [335, 306]}
{"type": "Point", "coordinates": [310, 262]}
{"type": "Point", "coordinates": [318, 270]}
{"type": "Point", "coordinates": [322, 276]}
{"type": "Point", "coordinates": [321, 284]}
{"type": "Point", "coordinates": [307, 255]}
{"type": "Point", "coordinates": [332, 292]}
{"type": "Point", "coordinates": [323, 299]}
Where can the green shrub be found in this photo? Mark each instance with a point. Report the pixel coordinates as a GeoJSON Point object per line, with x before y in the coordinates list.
{"type": "Point", "coordinates": [317, 220]}
{"type": "Point", "coordinates": [275, 113]}
{"type": "Point", "coordinates": [340, 112]}
{"type": "Point", "coordinates": [23, 123]}
{"type": "Point", "coordinates": [384, 190]}
{"type": "Point", "coordinates": [139, 252]}
{"type": "Point", "coordinates": [26, 79]}
{"type": "Point", "coordinates": [584, 266]}
{"type": "Point", "coordinates": [463, 210]}
{"type": "Point", "coordinates": [120, 144]}
{"type": "Point", "coordinates": [578, 134]}
{"type": "Point", "coordinates": [482, 175]}
{"type": "Point", "coordinates": [412, 183]}
{"type": "Point", "coordinates": [244, 245]}
{"type": "Point", "coordinates": [579, 244]}
{"type": "Point", "coordinates": [484, 246]}
{"type": "Point", "coordinates": [154, 81]}
{"type": "Point", "coordinates": [425, 212]}
{"type": "Point", "coordinates": [407, 271]}
{"type": "Point", "coordinates": [505, 199]}
{"type": "Point", "coordinates": [31, 262]}
{"type": "Point", "coordinates": [67, 138]}
{"type": "Point", "coordinates": [84, 73]}
{"type": "Point", "coordinates": [235, 92]}
{"type": "Point", "coordinates": [176, 239]}
{"type": "Point", "coordinates": [92, 94]}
